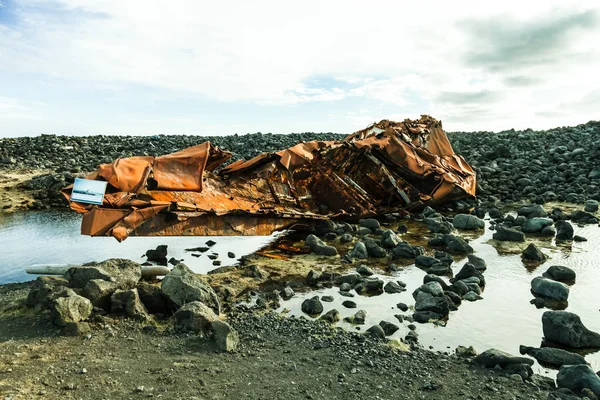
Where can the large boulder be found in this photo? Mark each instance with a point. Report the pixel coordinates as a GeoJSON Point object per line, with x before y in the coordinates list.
{"type": "Point", "coordinates": [566, 328]}
{"type": "Point", "coordinates": [552, 356]}
{"type": "Point", "coordinates": [467, 221]}
{"type": "Point", "coordinates": [426, 302]}
{"type": "Point", "coordinates": [71, 308]}
{"type": "Point", "coordinates": [492, 357]}
{"type": "Point", "coordinates": [124, 273]}
{"type": "Point", "coordinates": [153, 298]}
{"type": "Point", "coordinates": [127, 302]}
{"type": "Point", "coordinates": [508, 234]}
{"type": "Point", "coordinates": [99, 292]}
{"type": "Point", "coordinates": [182, 286]}
{"type": "Point", "coordinates": [224, 336]}
{"type": "Point", "coordinates": [41, 293]}
{"type": "Point", "coordinates": [312, 306]}
{"type": "Point", "coordinates": [549, 288]}
{"type": "Point", "coordinates": [318, 247]}
{"type": "Point", "coordinates": [195, 317]}
{"type": "Point", "coordinates": [577, 378]}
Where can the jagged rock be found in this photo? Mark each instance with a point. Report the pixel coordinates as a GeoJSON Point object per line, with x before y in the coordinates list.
{"type": "Point", "coordinates": [313, 277]}
{"type": "Point", "coordinates": [532, 253]}
{"type": "Point", "coordinates": [195, 317]}
{"type": "Point", "coordinates": [508, 234]}
{"type": "Point", "coordinates": [426, 302]}
{"type": "Point", "coordinates": [550, 288]}
{"type": "Point", "coordinates": [552, 356]}
{"type": "Point", "coordinates": [492, 357]}
{"type": "Point", "coordinates": [403, 250]}
{"type": "Point", "coordinates": [125, 273]}
{"type": "Point", "coordinates": [459, 245]}
{"type": "Point", "coordinates": [560, 273]}
{"type": "Point", "coordinates": [371, 285]}
{"type": "Point", "coordinates": [99, 292]}
{"type": "Point", "coordinates": [312, 306]}
{"type": "Point", "coordinates": [224, 336]}
{"type": "Point", "coordinates": [71, 308]}
{"type": "Point", "coordinates": [182, 286]}
{"type": "Point", "coordinates": [566, 329]}
{"type": "Point", "coordinates": [465, 352]}
{"type": "Point", "coordinates": [577, 378]}
{"type": "Point", "coordinates": [40, 294]}
{"type": "Point", "coordinates": [128, 302]}
{"type": "Point", "coordinates": [467, 271]}
{"type": "Point", "coordinates": [467, 221]}
{"type": "Point", "coordinates": [331, 316]}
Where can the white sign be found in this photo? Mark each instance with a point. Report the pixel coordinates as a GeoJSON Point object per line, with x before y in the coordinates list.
{"type": "Point", "coordinates": [88, 191]}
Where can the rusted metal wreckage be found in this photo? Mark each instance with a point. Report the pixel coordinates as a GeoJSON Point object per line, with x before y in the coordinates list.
{"type": "Point", "coordinates": [387, 167]}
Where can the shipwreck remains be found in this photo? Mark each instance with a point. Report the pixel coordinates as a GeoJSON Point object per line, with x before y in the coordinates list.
{"type": "Point", "coordinates": [387, 167]}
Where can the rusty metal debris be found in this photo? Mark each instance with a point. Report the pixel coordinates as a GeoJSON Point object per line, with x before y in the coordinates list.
{"type": "Point", "coordinates": [387, 167]}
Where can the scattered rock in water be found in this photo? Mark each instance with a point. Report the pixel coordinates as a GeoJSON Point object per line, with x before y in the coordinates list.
{"type": "Point", "coordinates": [376, 331]}
{"type": "Point", "coordinates": [560, 273]}
{"type": "Point", "coordinates": [352, 278]}
{"type": "Point", "coordinates": [552, 356]}
{"type": "Point", "coordinates": [312, 306]}
{"type": "Point", "coordinates": [349, 304]}
{"type": "Point", "coordinates": [505, 234]}
{"type": "Point", "coordinates": [564, 230]}
{"type": "Point", "coordinates": [578, 378]}
{"type": "Point", "coordinates": [159, 255]}
{"type": "Point", "coordinates": [583, 217]}
{"type": "Point", "coordinates": [468, 271]}
{"type": "Point", "coordinates": [536, 224]}
{"type": "Point", "coordinates": [224, 336]}
{"type": "Point", "coordinates": [373, 249]}
{"type": "Point", "coordinates": [550, 288]}
{"type": "Point", "coordinates": [467, 222]}
{"type": "Point", "coordinates": [478, 262]}
{"type": "Point", "coordinates": [358, 318]}
{"type": "Point", "coordinates": [402, 306]}
{"type": "Point", "coordinates": [393, 287]}
{"type": "Point", "coordinates": [578, 238]}
{"type": "Point", "coordinates": [532, 210]}
{"type": "Point", "coordinates": [287, 293]}
{"type": "Point", "coordinates": [230, 254]}
{"type": "Point", "coordinates": [327, 299]}
{"type": "Point", "coordinates": [182, 286]}
{"type": "Point", "coordinates": [566, 328]}
{"type": "Point", "coordinates": [424, 317]}
{"type": "Point", "coordinates": [472, 296]}
{"type": "Point", "coordinates": [532, 253]}
{"type": "Point", "coordinates": [318, 247]}
{"type": "Point", "coordinates": [195, 317]}
{"type": "Point", "coordinates": [465, 352]}
{"type": "Point", "coordinates": [492, 357]}
{"type": "Point", "coordinates": [388, 327]}
{"type": "Point", "coordinates": [331, 316]}
{"type": "Point", "coordinates": [210, 243]}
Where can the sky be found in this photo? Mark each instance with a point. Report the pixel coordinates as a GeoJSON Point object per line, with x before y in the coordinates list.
{"type": "Point", "coordinates": [145, 67]}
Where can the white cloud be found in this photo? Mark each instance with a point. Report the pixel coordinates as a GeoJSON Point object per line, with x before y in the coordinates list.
{"type": "Point", "coordinates": [265, 51]}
